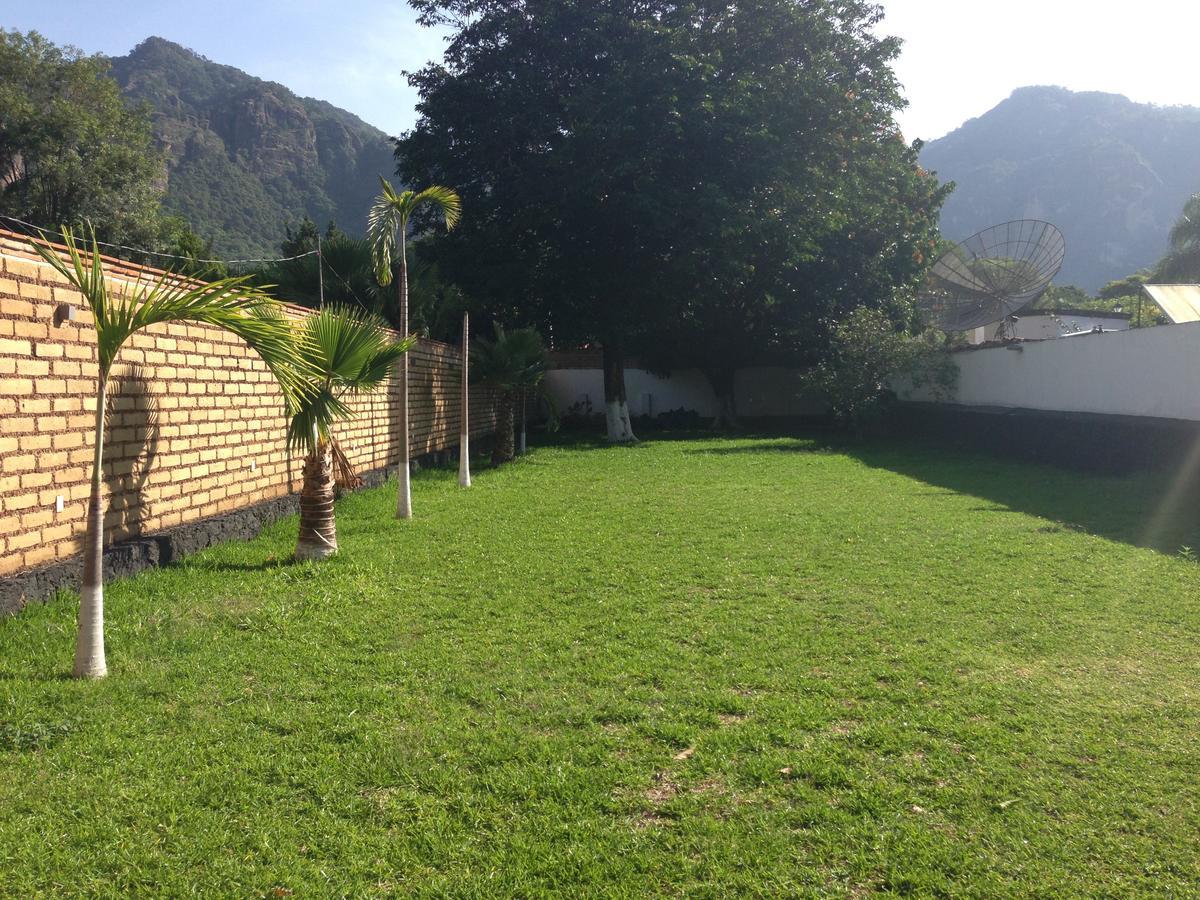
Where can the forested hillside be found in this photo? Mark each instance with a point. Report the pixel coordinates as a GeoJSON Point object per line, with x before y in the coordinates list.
{"type": "Point", "coordinates": [246, 157]}
{"type": "Point", "coordinates": [1112, 174]}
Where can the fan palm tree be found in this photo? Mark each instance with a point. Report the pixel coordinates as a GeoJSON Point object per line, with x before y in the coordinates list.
{"type": "Point", "coordinates": [513, 364]}
{"type": "Point", "coordinates": [226, 303]}
{"type": "Point", "coordinates": [347, 352]}
{"type": "Point", "coordinates": [387, 230]}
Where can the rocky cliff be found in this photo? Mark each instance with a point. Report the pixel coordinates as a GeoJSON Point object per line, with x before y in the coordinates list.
{"type": "Point", "coordinates": [246, 157]}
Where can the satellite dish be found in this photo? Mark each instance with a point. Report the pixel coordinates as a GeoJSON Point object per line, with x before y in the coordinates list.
{"type": "Point", "coordinates": [992, 274]}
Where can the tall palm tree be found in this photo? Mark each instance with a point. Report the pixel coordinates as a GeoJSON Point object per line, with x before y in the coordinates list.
{"type": "Point", "coordinates": [226, 303]}
{"type": "Point", "coordinates": [513, 364]}
{"type": "Point", "coordinates": [347, 352]}
{"type": "Point", "coordinates": [387, 230]}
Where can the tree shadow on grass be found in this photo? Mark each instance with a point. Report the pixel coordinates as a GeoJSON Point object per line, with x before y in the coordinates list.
{"type": "Point", "coordinates": [769, 444]}
{"type": "Point", "coordinates": [267, 565]}
{"type": "Point", "coordinates": [1153, 509]}
{"type": "Point", "coordinates": [1159, 510]}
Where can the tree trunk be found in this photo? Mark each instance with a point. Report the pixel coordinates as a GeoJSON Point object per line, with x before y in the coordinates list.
{"type": "Point", "coordinates": [404, 470]}
{"type": "Point", "coordinates": [502, 449]}
{"type": "Point", "coordinates": [318, 531]}
{"type": "Point", "coordinates": [464, 432]}
{"type": "Point", "coordinates": [616, 406]}
{"type": "Point", "coordinates": [723, 385]}
{"type": "Point", "coordinates": [521, 413]}
{"type": "Point", "coordinates": [89, 643]}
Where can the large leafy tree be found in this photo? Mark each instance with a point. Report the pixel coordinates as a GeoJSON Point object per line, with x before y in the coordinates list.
{"type": "Point", "coordinates": [71, 150]}
{"type": "Point", "coordinates": [120, 313]}
{"type": "Point", "coordinates": [721, 178]}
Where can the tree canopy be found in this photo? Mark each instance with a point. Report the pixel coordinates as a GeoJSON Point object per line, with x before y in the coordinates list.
{"type": "Point", "coordinates": [349, 280]}
{"type": "Point", "coordinates": [726, 178]}
{"type": "Point", "coordinates": [71, 150]}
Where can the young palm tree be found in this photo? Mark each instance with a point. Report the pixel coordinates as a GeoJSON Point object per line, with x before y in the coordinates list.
{"type": "Point", "coordinates": [227, 303]}
{"type": "Point", "coordinates": [387, 230]}
{"type": "Point", "coordinates": [347, 352]}
{"type": "Point", "coordinates": [513, 365]}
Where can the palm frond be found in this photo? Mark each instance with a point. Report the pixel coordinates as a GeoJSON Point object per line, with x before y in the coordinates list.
{"type": "Point", "coordinates": [228, 303]}
{"type": "Point", "coordinates": [447, 201]}
{"type": "Point", "coordinates": [384, 220]}
{"type": "Point", "coordinates": [390, 215]}
{"type": "Point", "coordinates": [512, 360]}
{"type": "Point", "coordinates": [314, 417]}
{"type": "Point", "coordinates": [348, 351]}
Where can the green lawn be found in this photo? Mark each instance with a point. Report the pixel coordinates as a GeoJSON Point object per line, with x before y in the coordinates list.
{"type": "Point", "coordinates": [687, 667]}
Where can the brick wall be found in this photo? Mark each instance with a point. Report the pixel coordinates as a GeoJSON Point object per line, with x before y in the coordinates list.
{"type": "Point", "coordinates": [195, 428]}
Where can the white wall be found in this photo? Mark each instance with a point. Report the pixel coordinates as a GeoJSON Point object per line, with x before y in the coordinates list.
{"type": "Point", "coordinates": [759, 391]}
{"type": "Point", "coordinates": [1141, 372]}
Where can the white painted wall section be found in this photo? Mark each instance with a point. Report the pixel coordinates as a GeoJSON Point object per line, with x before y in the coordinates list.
{"type": "Point", "coordinates": [1141, 372]}
{"type": "Point", "coordinates": [759, 392]}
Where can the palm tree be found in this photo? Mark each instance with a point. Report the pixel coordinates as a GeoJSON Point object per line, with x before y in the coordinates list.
{"type": "Point", "coordinates": [347, 352]}
{"type": "Point", "coordinates": [226, 303]}
{"type": "Point", "coordinates": [513, 364]}
{"type": "Point", "coordinates": [387, 223]}
{"type": "Point", "coordinates": [1182, 262]}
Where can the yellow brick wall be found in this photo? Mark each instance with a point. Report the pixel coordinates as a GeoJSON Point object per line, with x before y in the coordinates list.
{"type": "Point", "coordinates": [195, 419]}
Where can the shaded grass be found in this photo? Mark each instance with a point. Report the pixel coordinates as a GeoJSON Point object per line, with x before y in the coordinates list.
{"type": "Point", "coordinates": [702, 667]}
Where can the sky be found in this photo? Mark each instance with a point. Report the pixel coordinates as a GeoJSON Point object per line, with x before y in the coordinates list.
{"type": "Point", "coordinates": [961, 57]}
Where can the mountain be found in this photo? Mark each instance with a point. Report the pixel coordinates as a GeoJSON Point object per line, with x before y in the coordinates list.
{"type": "Point", "coordinates": [247, 157]}
{"type": "Point", "coordinates": [1112, 174]}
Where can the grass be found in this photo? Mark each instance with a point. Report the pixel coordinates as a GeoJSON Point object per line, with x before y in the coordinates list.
{"type": "Point", "coordinates": [689, 667]}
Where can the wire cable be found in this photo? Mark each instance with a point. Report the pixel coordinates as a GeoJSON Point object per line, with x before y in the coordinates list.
{"type": "Point", "coordinates": [42, 232]}
{"type": "Point", "coordinates": [346, 283]}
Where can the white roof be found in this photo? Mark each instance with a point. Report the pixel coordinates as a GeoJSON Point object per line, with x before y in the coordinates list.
{"type": "Point", "coordinates": [1181, 302]}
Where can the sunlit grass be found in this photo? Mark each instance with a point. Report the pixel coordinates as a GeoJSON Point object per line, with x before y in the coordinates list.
{"type": "Point", "coordinates": [706, 666]}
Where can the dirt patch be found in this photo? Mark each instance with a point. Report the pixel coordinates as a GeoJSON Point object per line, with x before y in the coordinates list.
{"type": "Point", "coordinates": [663, 790]}
{"type": "Point", "coordinates": [380, 798]}
{"type": "Point", "coordinates": [710, 787]}
{"type": "Point", "coordinates": [650, 819]}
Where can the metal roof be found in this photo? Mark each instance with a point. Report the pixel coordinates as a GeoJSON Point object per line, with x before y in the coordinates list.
{"type": "Point", "coordinates": [1181, 302]}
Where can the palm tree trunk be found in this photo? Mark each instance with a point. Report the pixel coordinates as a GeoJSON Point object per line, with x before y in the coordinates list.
{"type": "Point", "coordinates": [502, 449]}
{"type": "Point", "coordinates": [89, 643]}
{"type": "Point", "coordinates": [464, 432]}
{"type": "Point", "coordinates": [318, 530]}
{"type": "Point", "coordinates": [404, 500]}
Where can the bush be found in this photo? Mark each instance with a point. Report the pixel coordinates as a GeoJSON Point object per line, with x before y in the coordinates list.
{"type": "Point", "coordinates": [868, 352]}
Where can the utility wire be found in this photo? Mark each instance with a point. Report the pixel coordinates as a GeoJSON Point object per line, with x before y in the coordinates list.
{"type": "Point", "coordinates": [42, 232]}
{"type": "Point", "coordinates": [320, 272]}
{"type": "Point", "coordinates": [344, 282]}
